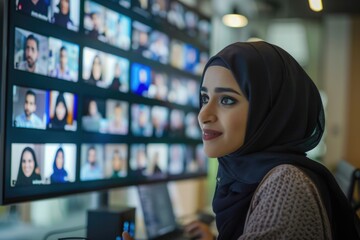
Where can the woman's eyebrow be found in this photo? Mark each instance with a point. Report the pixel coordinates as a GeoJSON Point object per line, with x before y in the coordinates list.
{"type": "Point", "coordinates": [221, 90]}
{"type": "Point", "coordinates": [203, 89]}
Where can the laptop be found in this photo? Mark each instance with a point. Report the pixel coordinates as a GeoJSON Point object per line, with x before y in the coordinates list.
{"type": "Point", "coordinates": [158, 213]}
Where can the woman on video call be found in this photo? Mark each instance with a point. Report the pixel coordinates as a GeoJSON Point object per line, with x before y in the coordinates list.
{"type": "Point", "coordinates": [62, 18]}
{"type": "Point", "coordinates": [260, 113]}
{"type": "Point", "coordinates": [28, 169]}
{"type": "Point", "coordinates": [96, 77]}
{"type": "Point", "coordinates": [59, 120]}
{"type": "Point", "coordinates": [59, 174]}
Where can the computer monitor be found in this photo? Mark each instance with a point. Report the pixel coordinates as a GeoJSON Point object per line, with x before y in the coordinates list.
{"type": "Point", "coordinates": [88, 100]}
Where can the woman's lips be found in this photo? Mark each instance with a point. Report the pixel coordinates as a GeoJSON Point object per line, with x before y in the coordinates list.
{"type": "Point", "coordinates": [209, 134]}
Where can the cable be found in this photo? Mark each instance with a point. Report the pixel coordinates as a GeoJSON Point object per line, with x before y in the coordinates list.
{"type": "Point", "coordinates": [65, 230]}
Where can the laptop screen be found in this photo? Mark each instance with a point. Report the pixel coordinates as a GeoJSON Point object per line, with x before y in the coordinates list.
{"type": "Point", "coordinates": [157, 208]}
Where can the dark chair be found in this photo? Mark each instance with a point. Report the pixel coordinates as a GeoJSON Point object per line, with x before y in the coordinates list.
{"type": "Point", "coordinates": [348, 178]}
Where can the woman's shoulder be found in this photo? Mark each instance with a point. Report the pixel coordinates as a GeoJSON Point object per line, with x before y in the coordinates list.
{"type": "Point", "coordinates": [289, 194]}
{"type": "Point", "coordinates": [286, 179]}
{"type": "Point", "coordinates": [286, 171]}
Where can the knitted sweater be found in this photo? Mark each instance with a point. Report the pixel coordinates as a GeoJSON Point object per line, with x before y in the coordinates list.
{"type": "Point", "coordinates": [286, 205]}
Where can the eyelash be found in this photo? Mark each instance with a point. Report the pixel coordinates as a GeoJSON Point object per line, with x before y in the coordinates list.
{"type": "Point", "coordinates": [205, 99]}
{"type": "Point", "coordinates": [232, 100]}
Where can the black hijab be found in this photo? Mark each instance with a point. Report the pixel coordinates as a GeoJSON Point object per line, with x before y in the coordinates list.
{"type": "Point", "coordinates": [285, 120]}
{"type": "Point", "coordinates": [55, 122]}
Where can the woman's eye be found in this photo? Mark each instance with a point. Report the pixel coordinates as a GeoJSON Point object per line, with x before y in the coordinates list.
{"type": "Point", "coordinates": [204, 99]}
{"type": "Point", "coordinates": [227, 101]}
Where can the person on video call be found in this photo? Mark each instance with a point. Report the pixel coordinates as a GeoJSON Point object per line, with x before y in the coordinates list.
{"type": "Point", "coordinates": [141, 42]}
{"type": "Point", "coordinates": [28, 119]}
{"type": "Point", "coordinates": [159, 122]}
{"type": "Point", "coordinates": [176, 163]}
{"type": "Point", "coordinates": [116, 82]}
{"type": "Point", "coordinates": [177, 123]}
{"type": "Point", "coordinates": [260, 113]}
{"type": "Point", "coordinates": [159, 47]}
{"type": "Point", "coordinates": [91, 170]}
{"type": "Point", "coordinates": [118, 123]}
{"type": "Point", "coordinates": [121, 37]}
{"type": "Point", "coordinates": [142, 125]}
{"type": "Point", "coordinates": [91, 121]}
{"type": "Point", "coordinates": [29, 172]}
{"type": "Point", "coordinates": [154, 165]}
{"type": "Point", "coordinates": [33, 6]}
{"type": "Point", "coordinates": [59, 174]}
{"type": "Point", "coordinates": [118, 165]}
{"type": "Point", "coordinates": [96, 77]}
{"type": "Point", "coordinates": [96, 31]}
{"type": "Point", "coordinates": [62, 18]}
{"type": "Point", "coordinates": [62, 70]}
{"type": "Point", "coordinates": [30, 63]}
{"type": "Point", "coordinates": [59, 120]}
{"type": "Point", "coordinates": [143, 78]}
{"type": "Point", "coordinates": [141, 160]}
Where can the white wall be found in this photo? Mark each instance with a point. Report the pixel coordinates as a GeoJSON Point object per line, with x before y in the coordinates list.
{"type": "Point", "coordinates": [335, 77]}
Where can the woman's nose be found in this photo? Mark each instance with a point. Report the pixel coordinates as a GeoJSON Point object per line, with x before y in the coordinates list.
{"type": "Point", "coordinates": [207, 114]}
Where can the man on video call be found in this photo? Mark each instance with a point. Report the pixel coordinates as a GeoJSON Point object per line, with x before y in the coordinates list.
{"type": "Point", "coordinates": [28, 119]}
{"type": "Point", "coordinates": [62, 70]}
{"type": "Point", "coordinates": [31, 56]}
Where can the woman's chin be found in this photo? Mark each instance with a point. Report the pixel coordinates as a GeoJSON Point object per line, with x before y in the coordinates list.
{"type": "Point", "coordinates": [211, 153]}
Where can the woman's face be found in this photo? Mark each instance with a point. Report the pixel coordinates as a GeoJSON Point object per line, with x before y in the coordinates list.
{"type": "Point", "coordinates": [64, 6]}
{"type": "Point", "coordinates": [60, 111]}
{"type": "Point", "coordinates": [92, 156]}
{"type": "Point", "coordinates": [60, 160]}
{"type": "Point", "coordinates": [224, 113]}
{"type": "Point", "coordinates": [27, 163]}
{"type": "Point", "coordinates": [117, 162]}
{"type": "Point", "coordinates": [96, 68]}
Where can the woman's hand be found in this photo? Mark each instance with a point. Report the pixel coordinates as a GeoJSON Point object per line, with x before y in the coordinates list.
{"type": "Point", "coordinates": [199, 230]}
{"type": "Point", "coordinates": [126, 236]}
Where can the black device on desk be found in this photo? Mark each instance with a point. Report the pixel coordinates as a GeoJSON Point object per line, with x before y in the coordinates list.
{"type": "Point", "coordinates": [110, 222]}
{"type": "Point", "coordinates": [159, 217]}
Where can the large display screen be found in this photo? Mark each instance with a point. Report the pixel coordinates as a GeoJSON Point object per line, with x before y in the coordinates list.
{"type": "Point", "coordinates": [99, 94]}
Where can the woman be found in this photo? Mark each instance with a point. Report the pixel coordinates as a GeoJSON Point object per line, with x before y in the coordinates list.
{"type": "Point", "coordinates": [59, 174]}
{"type": "Point", "coordinates": [28, 169]}
{"type": "Point", "coordinates": [96, 72]}
{"type": "Point", "coordinates": [260, 113]}
{"type": "Point", "coordinates": [116, 82]}
{"type": "Point", "coordinates": [59, 120]}
{"type": "Point", "coordinates": [91, 121]}
{"type": "Point", "coordinates": [62, 18]}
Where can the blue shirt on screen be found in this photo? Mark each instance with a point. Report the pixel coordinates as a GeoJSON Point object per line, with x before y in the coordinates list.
{"type": "Point", "coordinates": [34, 122]}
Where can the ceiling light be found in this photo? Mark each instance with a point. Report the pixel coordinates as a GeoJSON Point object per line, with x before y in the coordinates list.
{"type": "Point", "coordinates": [316, 5]}
{"type": "Point", "coordinates": [235, 19]}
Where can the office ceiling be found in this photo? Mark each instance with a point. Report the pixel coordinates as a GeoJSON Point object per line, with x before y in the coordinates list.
{"type": "Point", "coordinates": [285, 8]}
